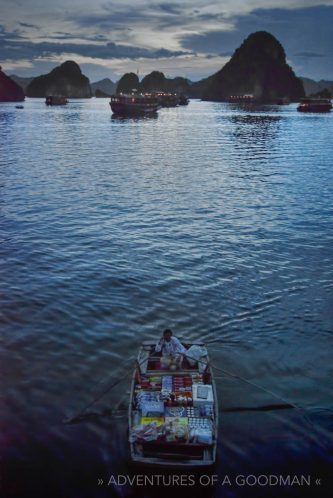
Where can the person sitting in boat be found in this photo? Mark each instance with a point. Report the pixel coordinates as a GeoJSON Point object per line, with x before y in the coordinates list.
{"type": "Point", "coordinates": [171, 349]}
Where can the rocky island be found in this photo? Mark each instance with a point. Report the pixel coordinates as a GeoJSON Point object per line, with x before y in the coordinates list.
{"type": "Point", "coordinates": [66, 80]}
{"type": "Point", "coordinates": [9, 90]}
{"type": "Point", "coordinates": [258, 67]}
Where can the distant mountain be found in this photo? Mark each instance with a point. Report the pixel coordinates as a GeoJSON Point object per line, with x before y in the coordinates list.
{"type": "Point", "coordinates": [10, 91]}
{"type": "Point", "coordinates": [257, 67]}
{"type": "Point", "coordinates": [22, 82]}
{"type": "Point", "coordinates": [156, 81]}
{"type": "Point", "coordinates": [66, 79]}
{"type": "Point", "coordinates": [128, 82]}
{"type": "Point", "coordinates": [313, 87]}
{"type": "Point", "coordinates": [106, 86]}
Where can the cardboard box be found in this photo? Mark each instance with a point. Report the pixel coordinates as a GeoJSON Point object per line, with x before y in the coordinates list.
{"type": "Point", "coordinates": [202, 394]}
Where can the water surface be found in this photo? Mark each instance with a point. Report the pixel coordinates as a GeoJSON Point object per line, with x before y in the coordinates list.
{"type": "Point", "coordinates": [214, 220]}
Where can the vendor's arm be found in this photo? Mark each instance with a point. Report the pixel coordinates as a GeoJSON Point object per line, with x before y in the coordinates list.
{"type": "Point", "coordinates": [179, 347]}
{"type": "Point", "coordinates": [159, 345]}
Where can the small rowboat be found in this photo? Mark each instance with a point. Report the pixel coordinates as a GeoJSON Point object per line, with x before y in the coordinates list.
{"type": "Point", "coordinates": [173, 413]}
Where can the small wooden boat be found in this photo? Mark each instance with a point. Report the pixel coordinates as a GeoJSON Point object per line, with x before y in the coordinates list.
{"type": "Point", "coordinates": [135, 104]}
{"type": "Point", "coordinates": [173, 413]}
{"type": "Point", "coordinates": [56, 100]}
{"type": "Point", "coordinates": [315, 105]}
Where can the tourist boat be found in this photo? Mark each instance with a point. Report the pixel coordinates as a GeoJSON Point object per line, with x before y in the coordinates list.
{"type": "Point", "coordinates": [242, 99]}
{"type": "Point", "coordinates": [315, 105]}
{"type": "Point", "coordinates": [134, 104]}
{"type": "Point", "coordinates": [56, 100]}
{"type": "Point", "coordinates": [173, 413]}
{"type": "Point", "coordinates": [166, 99]}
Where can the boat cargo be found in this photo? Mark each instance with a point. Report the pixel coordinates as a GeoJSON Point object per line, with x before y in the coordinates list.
{"type": "Point", "coordinates": [315, 105]}
{"type": "Point", "coordinates": [134, 104]}
{"type": "Point", "coordinates": [173, 413]}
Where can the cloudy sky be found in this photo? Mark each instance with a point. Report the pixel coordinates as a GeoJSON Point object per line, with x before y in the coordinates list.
{"type": "Point", "coordinates": [191, 38]}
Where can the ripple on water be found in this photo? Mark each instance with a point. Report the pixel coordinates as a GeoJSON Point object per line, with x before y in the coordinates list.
{"type": "Point", "coordinates": [214, 220]}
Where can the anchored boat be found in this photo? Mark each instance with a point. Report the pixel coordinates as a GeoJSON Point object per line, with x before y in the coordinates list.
{"type": "Point", "coordinates": [134, 104]}
{"type": "Point", "coordinates": [173, 413]}
{"type": "Point", "coordinates": [315, 105]}
{"type": "Point", "coordinates": [56, 100]}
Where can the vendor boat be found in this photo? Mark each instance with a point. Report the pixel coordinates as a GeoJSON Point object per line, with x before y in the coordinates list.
{"type": "Point", "coordinates": [315, 105]}
{"type": "Point", "coordinates": [173, 412]}
{"type": "Point", "coordinates": [134, 104]}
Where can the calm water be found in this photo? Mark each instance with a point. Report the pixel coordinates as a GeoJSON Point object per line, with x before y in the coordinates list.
{"type": "Point", "coordinates": [213, 220]}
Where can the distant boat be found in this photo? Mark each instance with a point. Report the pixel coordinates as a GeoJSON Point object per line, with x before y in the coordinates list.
{"type": "Point", "coordinates": [315, 105]}
{"type": "Point", "coordinates": [166, 99]}
{"type": "Point", "coordinates": [183, 99]}
{"type": "Point", "coordinates": [173, 413]}
{"type": "Point", "coordinates": [134, 104]}
{"type": "Point", "coordinates": [56, 100]}
{"type": "Point", "coordinates": [242, 99]}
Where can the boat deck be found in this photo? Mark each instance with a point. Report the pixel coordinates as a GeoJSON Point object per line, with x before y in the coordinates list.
{"type": "Point", "coordinates": [188, 450]}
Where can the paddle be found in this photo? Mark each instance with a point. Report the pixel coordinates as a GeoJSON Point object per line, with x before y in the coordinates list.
{"type": "Point", "coordinates": [79, 415]}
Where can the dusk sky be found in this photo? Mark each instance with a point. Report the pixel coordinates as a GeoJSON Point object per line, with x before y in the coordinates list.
{"type": "Point", "coordinates": [192, 38]}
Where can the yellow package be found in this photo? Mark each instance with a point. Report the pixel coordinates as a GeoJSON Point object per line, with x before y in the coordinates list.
{"type": "Point", "coordinates": [149, 420]}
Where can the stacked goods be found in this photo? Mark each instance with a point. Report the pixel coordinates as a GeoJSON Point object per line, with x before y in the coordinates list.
{"type": "Point", "coordinates": [176, 429]}
{"type": "Point", "coordinates": [197, 378]}
{"type": "Point", "coordinates": [174, 409]}
{"type": "Point", "coordinates": [152, 382]}
{"type": "Point", "coordinates": [182, 383]}
{"type": "Point", "coordinates": [193, 411]}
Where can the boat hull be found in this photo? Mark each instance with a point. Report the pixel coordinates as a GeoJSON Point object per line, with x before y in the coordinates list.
{"type": "Point", "coordinates": [314, 108]}
{"type": "Point", "coordinates": [315, 105]}
{"type": "Point", "coordinates": [133, 104]}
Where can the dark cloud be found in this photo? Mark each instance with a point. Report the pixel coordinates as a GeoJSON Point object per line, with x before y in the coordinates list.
{"type": "Point", "coordinates": [170, 8]}
{"type": "Point", "coordinates": [28, 50]}
{"type": "Point", "coordinates": [26, 25]}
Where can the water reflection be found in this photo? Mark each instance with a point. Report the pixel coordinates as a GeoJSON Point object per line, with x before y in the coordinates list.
{"type": "Point", "coordinates": [253, 131]}
{"type": "Point", "coordinates": [135, 119]}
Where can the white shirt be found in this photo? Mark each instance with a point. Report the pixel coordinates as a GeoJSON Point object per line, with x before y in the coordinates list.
{"type": "Point", "coordinates": [171, 348]}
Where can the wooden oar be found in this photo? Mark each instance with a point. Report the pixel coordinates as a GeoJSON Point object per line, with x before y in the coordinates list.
{"type": "Point", "coordinates": [79, 415]}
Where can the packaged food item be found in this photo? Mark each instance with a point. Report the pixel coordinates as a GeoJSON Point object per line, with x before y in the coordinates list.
{"type": "Point", "coordinates": [207, 410]}
{"type": "Point", "coordinates": [152, 408]}
{"type": "Point", "coordinates": [148, 432]}
{"type": "Point", "coordinates": [176, 429]}
{"type": "Point", "coordinates": [148, 420]}
{"type": "Point", "coordinates": [175, 411]}
{"type": "Point", "coordinates": [144, 396]}
{"type": "Point", "coordinates": [193, 411]}
{"type": "Point", "coordinates": [176, 420]}
{"type": "Point", "coordinates": [197, 378]}
{"type": "Point", "coordinates": [183, 398]}
{"type": "Point", "coordinates": [200, 423]}
{"type": "Point", "coordinates": [202, 394]}
{"type": "Point", "coordinates": [201, 436]}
